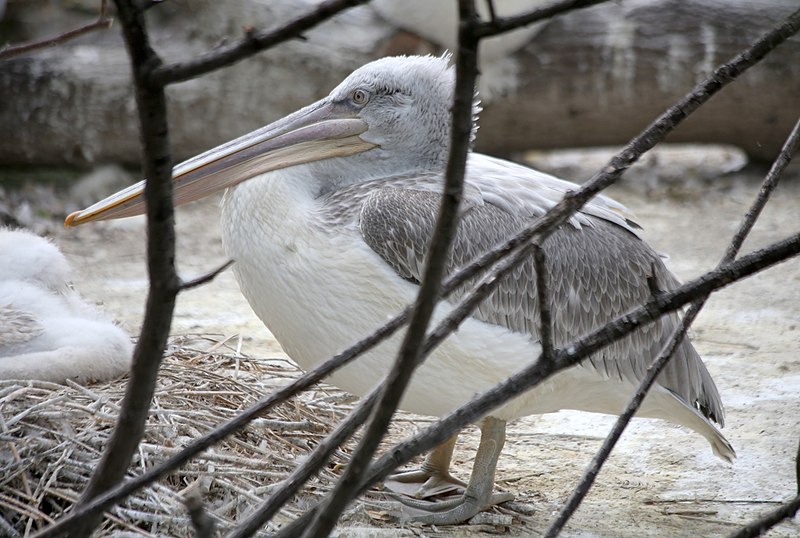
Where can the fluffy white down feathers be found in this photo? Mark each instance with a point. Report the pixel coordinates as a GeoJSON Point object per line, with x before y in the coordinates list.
{"type": "Point", "coordinates": [47, 332]}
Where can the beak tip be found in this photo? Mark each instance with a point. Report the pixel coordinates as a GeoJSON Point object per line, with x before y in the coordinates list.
{"type": "Point", "coordinates": [70, 221]}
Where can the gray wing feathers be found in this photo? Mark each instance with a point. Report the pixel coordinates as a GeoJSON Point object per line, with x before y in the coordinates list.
{"type": "Point", "coordinates": [595, 273]}
{"type": "Point", "coordinates": [17, 327]}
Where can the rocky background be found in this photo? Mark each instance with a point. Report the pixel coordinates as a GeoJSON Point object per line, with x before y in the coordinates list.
{"type": "Point", "coordinates": [594, 77]}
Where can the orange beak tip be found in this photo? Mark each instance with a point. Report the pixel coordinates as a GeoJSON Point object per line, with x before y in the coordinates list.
{"type": "Point", "coordinates": [69, 222]}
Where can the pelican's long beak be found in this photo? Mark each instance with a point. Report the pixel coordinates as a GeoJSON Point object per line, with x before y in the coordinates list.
{"type": "Point", "coordinates": [319, 131]}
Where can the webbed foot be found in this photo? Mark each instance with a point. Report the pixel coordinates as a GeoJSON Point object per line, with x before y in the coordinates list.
{"type": "Point", "coordinates": [479, 494]}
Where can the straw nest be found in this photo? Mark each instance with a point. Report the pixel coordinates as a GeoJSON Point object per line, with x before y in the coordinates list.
{"type": "Point", "coordinates": [51, 437]}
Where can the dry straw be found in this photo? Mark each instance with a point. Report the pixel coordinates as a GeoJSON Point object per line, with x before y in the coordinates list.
{"type": "Point", "coordinates": [51, 437]}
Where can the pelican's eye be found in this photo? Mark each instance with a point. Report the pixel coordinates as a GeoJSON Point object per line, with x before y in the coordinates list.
{"type": "Point", "coordinates": [360, 97]}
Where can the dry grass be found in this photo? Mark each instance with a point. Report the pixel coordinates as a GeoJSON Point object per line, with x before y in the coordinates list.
{"type": "Point", "coordinates": [51, 437]}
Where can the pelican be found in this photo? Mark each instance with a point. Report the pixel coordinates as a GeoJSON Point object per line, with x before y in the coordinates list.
{"type": "Point", "coordinates": [47, 332]}
{"type": "Point", "coordinates": [328, 213]}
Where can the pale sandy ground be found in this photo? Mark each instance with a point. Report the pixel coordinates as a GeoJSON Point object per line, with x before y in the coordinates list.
{"type": "Point", "coordinates": [662, 480]}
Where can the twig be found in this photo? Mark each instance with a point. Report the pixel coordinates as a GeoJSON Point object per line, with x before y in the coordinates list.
{"type": "Point", "coordinates": [589, 476]}
{"type": "Point", "coordinates": [770, 182]}
{"type": "Point", "coordinates": [763, 524]}
{"type": "Point", "coordinates": [543, 298]}
{"type": "Point", "coordinates": [500, 25]}
{"type": "Point", "coordinates": [204, 279]}
{"type": "Point", "coordinates": [309, 468]}
{"type": "Point", "coordinates": [430, 289]}
{"type": "Point", "coordinates": [491, 10]}
{"type": "Point", "coordinates": [102, 21]}
{"type": "Point", "coordinates": [8, 529]}
{"type": "Point", "coordinates": [249, 45]}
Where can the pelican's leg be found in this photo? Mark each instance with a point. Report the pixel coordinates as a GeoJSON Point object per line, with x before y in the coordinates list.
{"type": "Point", "coordinates": [433, 478]}
{"type": "Point", "coordinates": [479, 493]}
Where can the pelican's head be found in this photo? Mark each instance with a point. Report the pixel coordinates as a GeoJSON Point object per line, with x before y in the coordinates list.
{"type": "Point", "coordinates": [389, 117]}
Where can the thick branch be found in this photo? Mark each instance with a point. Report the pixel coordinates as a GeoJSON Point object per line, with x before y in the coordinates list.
{"type": "Point", "coordinates": [252, 43]}
{"type": "Point", "coordinates": [164, 282]}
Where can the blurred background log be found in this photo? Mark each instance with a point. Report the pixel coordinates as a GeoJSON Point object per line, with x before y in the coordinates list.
{"type": "Point", "coordinates": [594, 77]}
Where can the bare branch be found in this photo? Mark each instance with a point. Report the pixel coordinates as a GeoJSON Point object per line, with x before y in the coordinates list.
{"type": "Point", "coordinates": [430, 289]}
{"type": "Point", "coordinates": [8, 528]}
{"type": "Point", "coordinates": [476, 295]}
{"type": "Point", "coordinates": [770, 182]}
{"type": "Point", "coordinates": [164, 282]}
{"type": "Point", "coordinates": [543, 297]}
{"type": "Point", "coordinates": [316, 460]}
{"type": "Point", "coordinates": [589, 476]}
{"type": "Point", "coordinates": [640, 144]}
{"type": "Point", "coordinates": [678, 112]}
{"type": "Point", "coordinates": [206, 278]}
{"type": "Point", "coordinates": [491, 10]}
{"type": "Point", "coordinates": [758, 527]}
{"type": "Point", "coordinates": [102, 22]}
{"type": "Point", "coordinates": [500, 25]}
{"type": "Point", "coordinates": [252, 43]}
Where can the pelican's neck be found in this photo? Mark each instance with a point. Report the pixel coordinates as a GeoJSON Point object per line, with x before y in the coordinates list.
{"type": "Point", "coordinates": [267, 198]}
